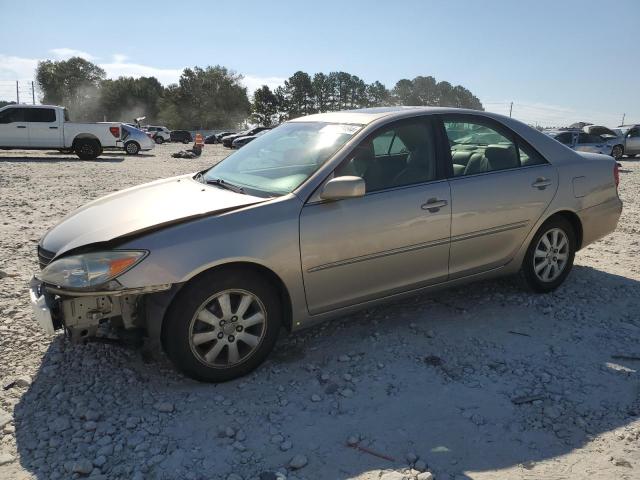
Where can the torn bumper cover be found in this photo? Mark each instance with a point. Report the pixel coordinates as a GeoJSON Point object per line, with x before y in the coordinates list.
{"type": "Point", "coordinates": [87, 313]}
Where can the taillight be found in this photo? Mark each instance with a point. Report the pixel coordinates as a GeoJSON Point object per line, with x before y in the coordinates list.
{"type": "Point", "coordinates": [616, 174]}
{"type": "Point", "coordinates": [115, 131]}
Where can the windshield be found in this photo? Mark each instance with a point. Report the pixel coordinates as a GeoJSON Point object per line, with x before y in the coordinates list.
{"type": "Point", "coordinates": [279, 161]}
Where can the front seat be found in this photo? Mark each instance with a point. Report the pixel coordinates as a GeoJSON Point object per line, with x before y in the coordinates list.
{"type": "Point", "coordinates": [501, 157]}
{"type": "Point", "coordinates": [421, 167]}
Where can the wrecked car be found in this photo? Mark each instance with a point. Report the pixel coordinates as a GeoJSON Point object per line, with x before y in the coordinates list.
{"type": "Point", "coordinates": [322, 216]}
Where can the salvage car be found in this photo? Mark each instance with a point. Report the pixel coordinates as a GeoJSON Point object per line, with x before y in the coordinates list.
{"type": "Point", "coordinates": [48, 127]}
{"type": "Point", "coordinates": [631, 135]}
{"type": "Point", "coordinates": [581, 141]}
{"type": "Point", "coordinates": [242, 141]}
{"type": "Point", "coordinates": [227, 140]}
{"type": "Point", "coordinates": [611, 137]}
{"type": "Point", "coordinates": [322, 216]}
{"type": "Point", "coordinates": [182, 136]}
{"type": "Point", "coordinates": [134, 140]}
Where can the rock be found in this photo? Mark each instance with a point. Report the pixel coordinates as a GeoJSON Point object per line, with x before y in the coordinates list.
{"type": "Point", "coordinates": [5, 418]}
{"type": "Point", "coordinates": [100, 461]}
{"type": "Point", "coordinates": [315, 397]}
{"type": "Point", "coordinates": [239, 446]}
{"type": "Point", "coordinates": [346, 392]}
{"type": "Point", "coordinates": [425, 476]}
{"type": "Point", "coordinates": [82, 466]}
{"type": "Point", "coordinates": [353, 440]}
{"type": "Point", "coordinates": [286, 445]}
{"type": "Point", "coordinates": [234, 476]}
{"type": "Point", "coordinates": [393, 476]}
{"type": "Point", "coordinates": [331, 388]}
{"type": "Point", "coordinates": [343, 358]}
{"type": "Point", "coordinates": [22, 381]}
{"type": "Point", "coordinates": [298, 462]}
{"type": "Point", "coordinates": [6, 458]}
{"type": "Point", "coordinates": [60, 424]}
{"type": "Point", "coordinates": [229, 432]}
{"type": "Point", "coordinates": [621, 462]}
{"type": "Point", "coordinates": [164, 407]}
{"type": "Point", "coordinates": [420, 465]}
{"type": "Point", "coordinates": [411, 457]}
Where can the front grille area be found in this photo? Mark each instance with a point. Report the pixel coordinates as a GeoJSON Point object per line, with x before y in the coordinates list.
{"type": "Point", "coordinates": [44, 257]}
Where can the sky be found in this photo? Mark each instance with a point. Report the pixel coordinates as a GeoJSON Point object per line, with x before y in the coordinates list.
{"type": "Point", "coordinates": [557, 61]}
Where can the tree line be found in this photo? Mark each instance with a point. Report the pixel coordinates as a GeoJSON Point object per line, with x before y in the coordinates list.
{"type": "Point", "coordinates": [214, 97]}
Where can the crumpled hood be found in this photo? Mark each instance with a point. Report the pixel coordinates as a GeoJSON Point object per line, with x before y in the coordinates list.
{"type": "Point", "coordinates": [141, 208]}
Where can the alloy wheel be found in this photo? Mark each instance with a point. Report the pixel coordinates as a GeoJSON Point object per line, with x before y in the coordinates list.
{"type": "Point", "coordinates": [227, 328]}
{"type": "Point", "coordinates": [551, 255]}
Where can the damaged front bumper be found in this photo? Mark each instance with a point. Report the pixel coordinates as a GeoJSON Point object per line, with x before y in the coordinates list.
{"type": "Point", "coordinates": [86, 314]}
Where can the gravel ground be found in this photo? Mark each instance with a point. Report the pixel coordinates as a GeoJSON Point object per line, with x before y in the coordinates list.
{"type": "Point", "coordinates": [480, 382]}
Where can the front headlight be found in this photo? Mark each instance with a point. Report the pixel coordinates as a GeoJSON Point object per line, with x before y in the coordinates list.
{"type": "Point", "coordinates": [90, 269]}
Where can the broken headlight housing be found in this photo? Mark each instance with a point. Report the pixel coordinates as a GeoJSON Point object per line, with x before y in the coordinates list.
{"type": "Point", "coordinates": [90, 270]}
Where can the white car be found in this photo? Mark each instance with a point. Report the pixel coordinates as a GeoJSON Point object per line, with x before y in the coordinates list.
{"type": "Point", "coordinates": [159, 134]}
{"type": "Point", "coordinates": [47, 127]}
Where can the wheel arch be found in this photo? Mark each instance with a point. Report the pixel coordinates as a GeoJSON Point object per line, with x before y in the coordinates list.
{"type": "Point", "coordinates": [249, 268]}
{"type": "Point", "coordinates": [86, 136]}
{"type": "Point", "coordinates": [575, 222]}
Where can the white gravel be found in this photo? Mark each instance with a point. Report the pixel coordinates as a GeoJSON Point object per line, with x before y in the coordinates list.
{"type": "Point", "coordinates": [481, 382]}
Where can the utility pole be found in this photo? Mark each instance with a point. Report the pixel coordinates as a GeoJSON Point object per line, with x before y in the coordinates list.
{"type": "Point", "coordinates": [622, 122]}
{"type": "Point", "coordinates": [510, 109]}
{"type": "Point", "coordinates": [17, 91]}
{"type": "Point", "coordinates": [33, 92]}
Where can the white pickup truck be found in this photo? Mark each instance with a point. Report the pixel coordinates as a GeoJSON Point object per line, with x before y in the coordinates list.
{"type": "Point", "coordinates": [47, 127]}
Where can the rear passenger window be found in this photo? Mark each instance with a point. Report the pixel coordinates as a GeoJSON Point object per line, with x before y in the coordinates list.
{"type": "Point", "coordinates": [42, 115]}
{"type": "Point", "coordinates": [478, 147]}
{"type": "Point", "coordinates": [395, 157]}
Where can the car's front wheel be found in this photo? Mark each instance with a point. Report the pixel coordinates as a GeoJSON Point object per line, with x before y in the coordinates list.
{"type": "Point", "coordinates": [222, 325]}
{"type": "Point", "coordinates": [159, 140]}
{"type": "Point", "coordinates": [550, 256]}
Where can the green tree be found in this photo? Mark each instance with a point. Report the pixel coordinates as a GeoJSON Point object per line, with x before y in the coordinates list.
{"type": "Point", "coordinates": [210, 97]}
{"type": "Point", "coordinates": [127, 98]}
{"type": "Point", "coordinates": [74, 83]}
{"type": "Point", "coordinates": [377, 94]}
{"type": "Point", "coordinates": [322, 91]}
{"type": "Point", "coordinates": [264, 107]}
{"type": "Point", "coordinates": [299, 93]}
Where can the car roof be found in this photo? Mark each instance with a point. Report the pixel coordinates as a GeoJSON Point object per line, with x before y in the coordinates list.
{"type": "Point", "coordinates": [365, 116]}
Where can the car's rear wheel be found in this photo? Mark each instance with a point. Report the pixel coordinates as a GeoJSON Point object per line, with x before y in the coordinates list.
{"type": "Point", "coordinates": [185, 140]}
{"type": "Point", "coordinates": [550, 256]}
{"type": "Point", "coordinates": [132, 148]}
{"type": "Point", "coordinates": [87, 149]}
{"type": "Point", "coordinates": [617, 152]}
{"type": "Point", "coordinates": [159, 140]}
{"type": "Point", "coordinates": [222, 325]}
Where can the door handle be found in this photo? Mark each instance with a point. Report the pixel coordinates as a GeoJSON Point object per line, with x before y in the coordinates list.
{"type": "Point", "coordinates": [433, 205]}
{"type": "Point", "coordinates": [53, 128]}
{"type": "Point", "coordinates": [541, 183]}
{"type": "Point", "coordinates": [21, 126]}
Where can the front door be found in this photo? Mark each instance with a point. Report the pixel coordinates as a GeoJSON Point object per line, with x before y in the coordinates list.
{"type": "Point", "coordinates": [395, 238]}
{"type": "Point", "coordinates": [500, 187]}
{"type": "Point", "coordinates": [44, 129]}
{"type": "Point", "coordinates": [13, 128]}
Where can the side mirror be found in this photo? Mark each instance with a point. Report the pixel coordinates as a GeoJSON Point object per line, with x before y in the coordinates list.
{"type": "Point", "coordinates": [339, 188]}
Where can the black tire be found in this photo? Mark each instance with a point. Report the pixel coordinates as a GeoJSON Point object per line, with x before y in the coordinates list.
{"type": "Point", "coordinates": [528, 271]}
{"type": "Point", "coordinates": [179, 317]}
{"type": "Point", "coordinates": [631, 155]}
{"type": "Point", "coordinates": [159, 140]}
{"type": "Point", "coordinates": [87, 149]}
{"type": "Point", "coordinates": [131, 148]}
{"type": "Point", "coordinates": [617, 152]}
{"type": "Point", "coordinates": [185, 141]}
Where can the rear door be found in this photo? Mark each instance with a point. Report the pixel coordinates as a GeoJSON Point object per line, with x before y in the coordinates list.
{"type": "Point", "coordinates": [590, 143]}
{"type": "Point", "coordinates": [44, 128]}
{"type": "Point", "coordinates": [632, 145]}
{"type": "Point", "coordinates": [13, 128]}
{"type": "Point", "coordinates": [497, 196]}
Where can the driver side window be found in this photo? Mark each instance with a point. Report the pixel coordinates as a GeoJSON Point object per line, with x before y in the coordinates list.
{"type": "Point", "coordinates": [396, 156]}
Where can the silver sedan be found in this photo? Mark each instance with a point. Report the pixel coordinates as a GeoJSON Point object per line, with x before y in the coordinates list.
{"type": "Point", "coordinates": [323, 215]}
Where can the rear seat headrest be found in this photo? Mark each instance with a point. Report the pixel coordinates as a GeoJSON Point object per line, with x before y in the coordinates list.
{"type": "Point", "coordinates": [500, 157]}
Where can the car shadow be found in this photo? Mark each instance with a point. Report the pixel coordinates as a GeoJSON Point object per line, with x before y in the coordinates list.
{"type": "Point", "coordinates": [474, 379]}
